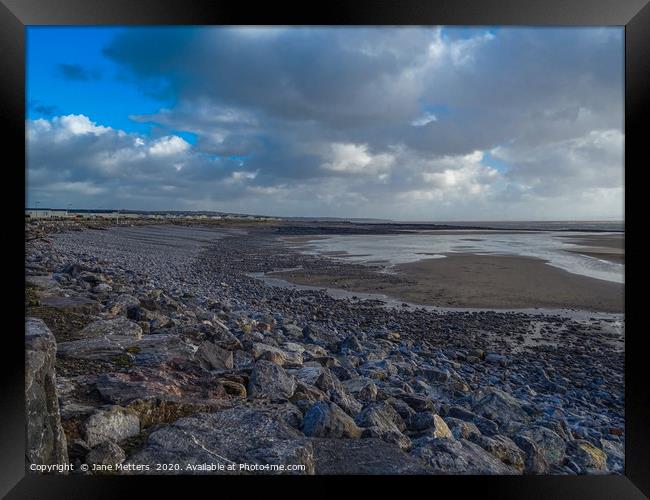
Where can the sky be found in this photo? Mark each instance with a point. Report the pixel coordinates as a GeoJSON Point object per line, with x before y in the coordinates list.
{"type": "Point", "coordinates": [402, 123]}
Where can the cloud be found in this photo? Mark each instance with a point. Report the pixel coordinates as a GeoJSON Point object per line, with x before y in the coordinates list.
{"type": "Point", "coordinates": [76, 72]}
{"type": "Point", "coordinates": [410, 123]}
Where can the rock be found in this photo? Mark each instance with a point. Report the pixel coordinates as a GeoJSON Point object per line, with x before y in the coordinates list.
{"type": "Point", "coordinates": [362, 388]}
{"type": "Point", "coordinates": [363, 456]}
{"type": "Point", "coordinates": [534, 462]}
{"type": "Point", "coordinates": [275, 355]}
{"type": "Point", "coordinates": [458, 456]}
{"type": "Point", "coordinates": [435, 425]}
{"type": "Point", "coordinates": [351, 343]}
{"type": "Point", "coordinates": [116, 327]}
{"type": "Point", "coordinates": [485, 425]}
{"type": "Point", "coordinates": [327, 419]}
{"type": "Point", "coordinates": [507, 411]}
{"type": "Point", "coordinates": [589, 458]}
{"type": "Point", "coordinates": [121, 304]}
{"type": "Point", "coordinates": [417, 402]}
{"type": "Point", "coordinates": [385, 423]}
{"type": "Point", "coordinates": [462, 429]}
{"type": "Point", "coordinates": [502, 448]}
{"type": "Point", "coordinates": [615, 455]}
{"type": "Point", "coordinates": [493, 357]}
{"type": "Point", "coordinates": [46, 441]}
{"type": "Point", "coordinates": [550, 445]}
{"type": "Point", "coordinates": [230, 437]}
{"type": "Point", "coordinates": [106, 453]}
{"type": "Point", "coordinates": [271, 381]}
{"type": "Point", "coordinates": [321, 336]}
{"type": "Point", "coordinates": [293, 331]}
{"type": "Point", "coordinates": [212, 357]}
{"type": "Point", "coordinates": [81, 305]}
{"type": "Point", "coordinates": [114, 424]}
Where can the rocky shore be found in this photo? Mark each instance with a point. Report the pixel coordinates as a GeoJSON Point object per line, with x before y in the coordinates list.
{"type": "Point", "coordinates": [169, 352]}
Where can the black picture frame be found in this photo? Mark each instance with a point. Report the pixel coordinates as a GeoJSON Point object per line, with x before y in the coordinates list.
{"type": "Point", "coordinates": [633, 14]}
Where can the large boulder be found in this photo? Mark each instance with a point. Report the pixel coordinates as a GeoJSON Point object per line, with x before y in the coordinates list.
{"type": "Point", "coordinates": [550, 444]}
{"type": "Point", "coordinates": [326, 419]}
{"type": "Point", "coordinates": [228, 438]}
{"type": "Point", "coordinates": [589, 458]}
{"type": "Point", "coordinates": [322, 336]}
{"type": "Point", "coordinates": [500, 407]}
{"type": "Point", "coordinates": [458, 456]}
{"type": "Point", "coordinates": [363, 456]}
{"type": "Point", "coordinates": [112, 424]}
{"type": "Point", "coordinates": [46, 442]}
{"type": "Point", "coordinates": [212, 357]}
{"type": "Point", "coordinates": [106, 453]}
{"type": "Point", "coordinates": [270, 381]}
{"type": "Point", "coordinates": [118, 327]}
{"type": "Point", "coordinates": [276, 355]}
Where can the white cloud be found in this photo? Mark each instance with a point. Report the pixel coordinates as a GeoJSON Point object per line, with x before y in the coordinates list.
{"type": "Point", "coordinates": [168, 146]}
{"type": "Point", "coordinates": [351, 158]}
{"type": "Point", "coordinates": [424, 120]}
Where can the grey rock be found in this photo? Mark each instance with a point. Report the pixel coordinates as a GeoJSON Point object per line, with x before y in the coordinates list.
{"type": "Point", "coordinates": [458, 456]}
{"type": "Point", "coordinates": [116, 327]}
{"type": "Point", "coordinates": [362, 388]}
{"type": "Point", "coordinates": [106, 453]}
{"type": "Point", "coordinates": [271, 381]}
{"type": "Point", "coordinates": [363, 456]}
{"type": "Point", "coordinates": [113, 424]}
{"type": "Point", "coordinates": [551, 446]}
{"type": "Point", "coordinates": [534, 462]}
{"type": "Point", "coordinates": [275, 355]}
{"type": "Point", "coordinates": [46, 441]}
{"type": "Point", "coordinates": [212, 357]}
{"type": "Point", "coordinates": [230, 437]}
{"type": "Point", "coordinates": [327, 419]}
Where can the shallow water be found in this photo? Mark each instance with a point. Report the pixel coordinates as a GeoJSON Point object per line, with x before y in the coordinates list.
{"type": "Point", "coordinates": [404, 248]}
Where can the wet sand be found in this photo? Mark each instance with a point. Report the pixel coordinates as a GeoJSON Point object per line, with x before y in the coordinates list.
{"type": "Point", "coordinates": [469, 280]}
{"type": "Point", "coordinates": [610, 247]}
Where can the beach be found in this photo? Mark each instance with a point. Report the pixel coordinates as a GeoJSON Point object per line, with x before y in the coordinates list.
{"type": "Point", "coordinates": [187, 345]}
{"type": "Point", "coordinates": [479, 281]}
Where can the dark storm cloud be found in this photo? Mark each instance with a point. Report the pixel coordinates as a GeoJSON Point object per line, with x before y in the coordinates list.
{"type": "Point", "coordinates": [386, 122]}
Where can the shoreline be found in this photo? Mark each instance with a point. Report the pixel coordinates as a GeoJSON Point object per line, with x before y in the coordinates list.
{"type": "Point", "coordinates": [167, 326]}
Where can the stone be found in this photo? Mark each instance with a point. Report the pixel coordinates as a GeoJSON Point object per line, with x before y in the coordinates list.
{"type": "Point", "coordinates": [534, 462]}
{"type": "Point", "coordinates": [114, 424]}
{"type": "Point", "coordinates": [588, 457]}
{"type": "Point", "coordinates": [550, 444]}
{"type": "Point", "coordinates": [106, 453]}
{"type": "Point", "coordinates": [327, 419]}
{"type": "Point", "coordinates": [493, 357]}
{"type": "Point", "coordinates": [121, 304]}
{"type": "Point", "coordinates": [116, 327]}
{"type": "Point", "coordinates": [363, 456]}
{"type": "Point", "coordinates": [500, 407]}
{"type": "Point", "coordinates": [461, 429]}
{"type": "Point", "coordinates": [502, 448]}
{"type": "Point", "coordinates": [233, 436]}
{"type": "Point", "coordinates": [418, 402]}
{"type": "Point", "coordinates": [321, 336]}
{"type": "Point", "coordinates": [46, 442]}
{"type": "Point", "coordinates": [362, 388]}
{"type": "Point", "coordinates": [271, 381]}
{"type": "Point", "coordinates": [431, 422]}
{"type": "Point", "coordinates": [275, 355]}
{"type": "Point", "coordinates": [81, 305]}
{"type": "Point", "coordinates": [458, 456]}
{"type": "Point", "coordinates": [385, 422]}
{"type": "Point", "coordinates": [485, 425]}
{"type": "Point", "coordinates": [212, 357]}
{"type": "Point", "coordinates": [351, 343]}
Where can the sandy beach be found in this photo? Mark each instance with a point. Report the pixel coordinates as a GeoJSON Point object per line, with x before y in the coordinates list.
{"type": "Point", "coordinates": [486, 281]}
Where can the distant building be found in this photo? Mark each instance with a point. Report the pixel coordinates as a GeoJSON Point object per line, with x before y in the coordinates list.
{"type": "Point", "coordinates": [45, 213]}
